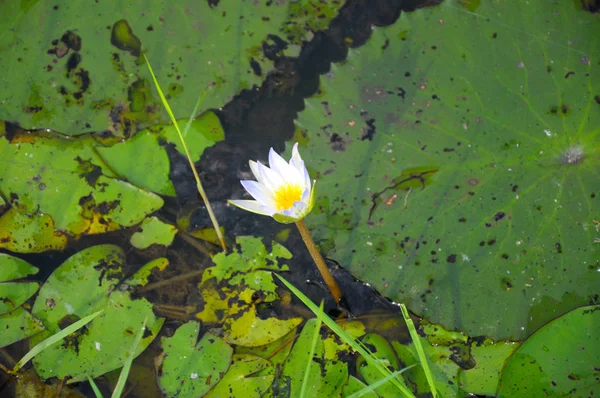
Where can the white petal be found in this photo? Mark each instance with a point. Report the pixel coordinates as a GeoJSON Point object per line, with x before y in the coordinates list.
{"type": "Point", "coordinates": [287, 171]}
{"type": "Point", "coordinates": [306, 195]}
{"type": "Point", "coordinates": [254, 168]}
{"type": "Point", "coordinates": [252, 206]}
{"type": "Point", "coordinates": [260, 193]}
{"type": "Point", "coordinates": [270, 179]}
{"type": "Point", "coordinates": [277, 164]}
{"type": "Point", "coordinates": [296, 159]}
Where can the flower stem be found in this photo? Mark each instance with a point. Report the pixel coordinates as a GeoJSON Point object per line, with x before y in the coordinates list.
{"type": "Point", "coordinates": [334, 289]}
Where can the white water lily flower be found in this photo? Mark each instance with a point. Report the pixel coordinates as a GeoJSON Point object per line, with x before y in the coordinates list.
{"type": "Point", "coordinates": [282, 190]}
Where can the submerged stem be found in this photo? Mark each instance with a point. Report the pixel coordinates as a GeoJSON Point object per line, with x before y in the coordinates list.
{"type": "Point", "coordinates": [332, 285]}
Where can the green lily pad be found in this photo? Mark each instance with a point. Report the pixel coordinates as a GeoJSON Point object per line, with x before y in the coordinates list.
{"type": "Point", "coordinates": [190, 368]}
{"type": "Point", "coordinates": [12, 267]}
{"type": "Point", "coordinates": [328, 373]}
{"type": "Point", "coordinates": [62, 184]}
{"type": "Point", "coordinates": [18, 325]}
{"type": "Point", "coordinates": [153, 231]}
{"type": "Point", "coordinates": [86, 282]}
{"type": "Point", "coordinates": [457, 156]}
{"type": "Point", "coordinates": [242, 380]}
{"type": "Point", "coordinates": [384, 351]}
{"type": "Point", "coordinates": [489, 356]}
{"type": "Point", "coordinates": [23, 234]}
{"type": "Point", "coordinates": [460, 365]}
{"type": "Point", "coordinates": [354, 385]}
{"type": "Point", "coordinates": [561, 359]}
{"type": "Point", "coordinates": [143, 160]}
{"type": "Point", "coordinates": [276, 352]}
{"type": "Point", "coordinates": [13, 294]}
{"type": "Point", "coordinates": [306, 17]}
{"type": "Point", "coordinates": [83, 74]}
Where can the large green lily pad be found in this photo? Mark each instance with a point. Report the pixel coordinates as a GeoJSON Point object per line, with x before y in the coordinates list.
{"type": "Point", "coordinates": [457, 156]}
{"type": "Point", "coordinates": [86, 282]}
{"type": "Point", "coordinates": [62, 187]}
{"type": "Point", "coordinates": [561, 359]}
{"type": "Point", "coordinates": [75, 67]}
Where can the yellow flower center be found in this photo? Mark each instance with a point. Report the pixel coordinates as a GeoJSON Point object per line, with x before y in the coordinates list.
{"type": "Point", "coordinates": [286, 195]}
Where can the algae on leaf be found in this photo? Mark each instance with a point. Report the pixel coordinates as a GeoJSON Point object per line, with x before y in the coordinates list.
{"type": "Point", "coordinates": [457, 156]}
{"type": "Point", "coordinates": [232, 289]}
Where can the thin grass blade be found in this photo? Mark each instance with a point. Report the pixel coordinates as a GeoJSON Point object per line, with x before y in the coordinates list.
{"type": "Point", "coordinates": [419, 347]}
{"type": "Point", "coordinates": [118, 391]}
{"type": "Point", "coordinates": [55, 338]}
{"type": "Point", "coordinates": [380, 382]}
{"type": "Point", "coordinates": [356, 346]}
{"type": "Point", "coordinates": [310, 356]}
{"type": "Point", "coordinates": [95, 388]}
{"type": "Point", "coordinates": [191, 119]}
{"type": "Point", "coordinates": [199, 186]}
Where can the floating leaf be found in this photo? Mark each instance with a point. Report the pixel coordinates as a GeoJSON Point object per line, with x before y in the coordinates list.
{"type": "Point", "coordinates": [17, 325]}
{"type": "Point", "coordinates": [230, 290]}
{"type": "Point", "coordinates": [15, 322]}
{"type": "Point", "coordinates": [63, 185]}
{"type": "Point", "coordinates": [12, 267]}
{"type": "Point", "coordinates": [143, 160]}
{"type": "Point", "coordinates": [328, 373]}
{"type": "Point", "coordinates": [459, 364]}
{"type": "Point", "coordinates": [489, 357]}
{"type": "Point", "coordinates": [153, 231]}
{"type": "Point", "coordinates": [89, 281]}
{"type": "Point", "coordinates": [458, 162]}
{"type": "Point", "coordinates": [382, 350]}
{"type": "Point", "coordinates": [560, 359]}
{"type": "Point", "coordinates": [190, 368]}
{"type": "Point", "coordinates": [354, 385]}
{"type": "Point", "coordinates": [23, 234]}
{"type": "Point", "coordinates": [13, 294]}
{"type": "Point", "coordinates": [86, 75]}
{"type": "Point", "coordinates": [242, 380]}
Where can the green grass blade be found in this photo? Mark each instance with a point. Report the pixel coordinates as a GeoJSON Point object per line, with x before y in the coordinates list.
{"type": "Point", "coordinates": [191, 119]}
{"type": "Point", "coordinates": [55, 338]}
{"type": "Point", "coordinates": [356, 346]}
{"type": "Point", "coordinates": [419, 347]}
{"type": "Point", "coordinates": [311, 354]}
{"type": "Point", "coordinates": [118, 391]}
{"type": "Point", "coordinates": [199, 186]}
{"type": "Point", "coordinates": [95, 388]}
{"type": "Point", "coordinates": [380, 382]}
